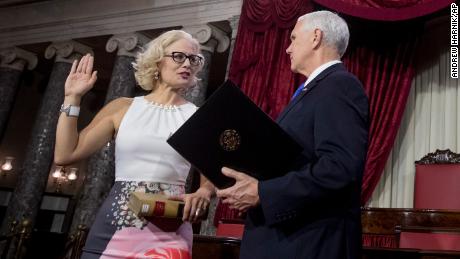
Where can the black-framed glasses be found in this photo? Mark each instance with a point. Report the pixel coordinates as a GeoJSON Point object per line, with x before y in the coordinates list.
{"type": "Point", "coordinates": [180, 57]}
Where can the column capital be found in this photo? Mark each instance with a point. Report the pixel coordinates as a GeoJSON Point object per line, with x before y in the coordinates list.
{"type": "Point", "coordinates": [66, 51]}
{"type": "Point", "coordinates": [234, 23]}
{"type": "Point", "coordinates": [205, 33]}
{"type": "Point", "coordinates": [127, 44]}
{"type": "Point", "coordinates": [18, 59]}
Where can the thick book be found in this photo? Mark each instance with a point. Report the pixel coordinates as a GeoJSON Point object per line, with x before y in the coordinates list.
{"type": "Point", "coordinates": [155, 205]}
{"type": "Point", "coordinates": [230, 130]}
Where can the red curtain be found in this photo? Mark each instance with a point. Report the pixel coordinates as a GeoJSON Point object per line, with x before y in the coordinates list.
{"type": "Point", "coordinates": [385, 10]}
{"type": "Point", "coordinates": [260, 65]}
{"type": "Point", "coordinates": [381, 58]}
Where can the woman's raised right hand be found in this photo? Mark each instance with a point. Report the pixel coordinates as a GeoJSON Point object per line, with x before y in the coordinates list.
{"type": "Point", "coordinates": [81, 77]}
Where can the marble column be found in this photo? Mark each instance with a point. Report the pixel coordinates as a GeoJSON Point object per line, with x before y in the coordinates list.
{"type": "Point", "coordinates": [234, 23]}
{"type": "Point", "coordinates": [12, 62]}
{"type": "Point", "coordinates": [33, 174]}
{"type": "Point", "coordinates": [207, 226]}
{"type": "Point", "coordinates": [211, 39]}
{"type": "Point", "coordinates": [100, 171]}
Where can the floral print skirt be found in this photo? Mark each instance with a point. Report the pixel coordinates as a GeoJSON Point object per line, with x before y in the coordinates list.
{"type": "Point", "coordinates": [118, 233]}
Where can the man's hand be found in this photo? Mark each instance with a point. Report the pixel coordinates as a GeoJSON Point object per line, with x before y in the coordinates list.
{"type": "Point", "coordinates": [243, 194]}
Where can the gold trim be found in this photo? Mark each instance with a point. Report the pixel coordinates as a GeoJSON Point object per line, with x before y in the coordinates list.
{"type": "Point", "coordinates": [230, 140]}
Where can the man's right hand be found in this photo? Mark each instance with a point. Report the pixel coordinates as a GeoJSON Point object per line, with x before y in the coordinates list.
{"type": "Point", "coordinates": [243, 195]}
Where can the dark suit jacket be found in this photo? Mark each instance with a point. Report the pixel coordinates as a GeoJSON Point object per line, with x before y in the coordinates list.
{"type": "Point", "coordinates": [314, 210]}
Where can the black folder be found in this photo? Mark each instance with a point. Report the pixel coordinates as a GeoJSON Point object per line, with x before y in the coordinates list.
{"type": "Point", "coordinates": [230, 130]}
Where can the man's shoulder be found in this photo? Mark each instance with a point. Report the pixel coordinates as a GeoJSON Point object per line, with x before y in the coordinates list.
{"type": "Point", "coordinates": [342, 80]}
{"type": "Point", "coordinates": [341, 73]}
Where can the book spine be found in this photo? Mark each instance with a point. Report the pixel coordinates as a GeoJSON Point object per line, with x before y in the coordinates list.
{"type": "Point", "coordinates": [162, 208]}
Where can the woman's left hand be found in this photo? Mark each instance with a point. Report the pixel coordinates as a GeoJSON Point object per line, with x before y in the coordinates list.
{"type": "Point", "coordinates": [196, 204]}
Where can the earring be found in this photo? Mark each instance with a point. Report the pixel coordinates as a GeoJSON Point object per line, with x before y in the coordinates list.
{"type": "Point", "coordinates": [156, 75]}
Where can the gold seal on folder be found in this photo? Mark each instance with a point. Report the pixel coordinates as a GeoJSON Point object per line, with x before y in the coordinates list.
{"type": "Point", "coordinates": [230, 140]}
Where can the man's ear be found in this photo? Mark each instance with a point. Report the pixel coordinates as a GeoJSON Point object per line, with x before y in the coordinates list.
{"type": "Point", "coordinates": [317, 38]}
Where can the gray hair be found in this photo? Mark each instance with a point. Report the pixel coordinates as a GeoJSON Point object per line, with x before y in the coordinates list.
{"type": "Point", "coordinates": [334, 28]}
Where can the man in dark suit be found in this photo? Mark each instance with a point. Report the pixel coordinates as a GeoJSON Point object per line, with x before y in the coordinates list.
{"type": "Point", "coordinates": [313, 211]}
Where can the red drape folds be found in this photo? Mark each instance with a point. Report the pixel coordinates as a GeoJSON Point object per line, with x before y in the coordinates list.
{"type": "Point", "coordinates": [385, 10]}
{"type": "Point", "coordinates": [260, 65]}
{"type": "Point", "coordinates": [260, 15]}
{"type": "Point", "coordinates": [385, 67]}
{"type": "Point", "coordinates": [382, 61]}
{"type": "Point", "coordinates": [263, 69]}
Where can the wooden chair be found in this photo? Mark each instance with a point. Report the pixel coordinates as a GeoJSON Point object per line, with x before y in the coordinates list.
{"type": "Point", "coordinates": [437, 181]}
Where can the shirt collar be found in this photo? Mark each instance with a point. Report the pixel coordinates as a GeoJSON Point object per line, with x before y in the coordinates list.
{"type": "Point", "coordinates": [320, 69]}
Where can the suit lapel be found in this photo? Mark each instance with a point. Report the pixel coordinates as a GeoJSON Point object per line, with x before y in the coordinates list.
{"type": "Point", "coordinates": [310, 87]}
{"type": "Point", "coordinates": [296, 100]}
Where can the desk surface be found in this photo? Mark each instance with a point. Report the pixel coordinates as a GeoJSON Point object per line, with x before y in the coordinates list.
{"type": "Point", "coordinates": [206, 247]}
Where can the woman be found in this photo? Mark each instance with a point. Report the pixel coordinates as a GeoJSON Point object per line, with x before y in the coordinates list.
{"type": "Point", "coordinates": [143, 159]}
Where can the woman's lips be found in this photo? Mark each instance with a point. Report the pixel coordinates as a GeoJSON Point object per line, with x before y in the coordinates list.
{"type": "Point", "coordinates": [185, 75]}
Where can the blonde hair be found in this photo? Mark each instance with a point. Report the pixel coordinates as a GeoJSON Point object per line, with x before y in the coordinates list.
{"type": "Point", "coordinates": [147, 61]}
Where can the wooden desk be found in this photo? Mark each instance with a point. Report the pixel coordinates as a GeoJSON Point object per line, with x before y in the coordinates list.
{"type": "Point", "coordinates": [377, 221]}
{"type": "Point", "coordinates": [398, 253]}
{"type": "Point", "coordinates": [208, 247]}
{"type": "Point", "coordinates": [380, 224]}
{"type": "Point", "coordinates": [211, 247]}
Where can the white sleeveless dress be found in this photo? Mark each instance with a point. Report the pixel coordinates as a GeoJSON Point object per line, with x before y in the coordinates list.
{"type": "Point", "coordinates": [143, 162]}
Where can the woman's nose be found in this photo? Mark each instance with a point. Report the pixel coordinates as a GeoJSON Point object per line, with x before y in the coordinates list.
{"type": "Point", "coordinates": [186, 62]}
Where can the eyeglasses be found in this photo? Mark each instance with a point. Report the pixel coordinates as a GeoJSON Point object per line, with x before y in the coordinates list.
{"type": "Point", "coordinates": [180, 57]}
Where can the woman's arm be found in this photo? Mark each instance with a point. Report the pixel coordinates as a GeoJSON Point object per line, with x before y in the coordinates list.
{"type": "Point", "coordinates": [72, 146]}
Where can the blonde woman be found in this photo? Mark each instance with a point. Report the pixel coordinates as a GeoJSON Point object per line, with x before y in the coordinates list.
{"type": "Point", "coordinates": [144, 161]}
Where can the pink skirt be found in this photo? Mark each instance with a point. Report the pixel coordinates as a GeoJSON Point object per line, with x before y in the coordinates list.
{"type": "Point", "coordinates": [118, 233]}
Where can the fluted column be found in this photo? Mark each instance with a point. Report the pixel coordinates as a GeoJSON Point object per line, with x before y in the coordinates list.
{"type": "Point", "coordinates": [234, 23]}
{"type": "Point", "coordinates": [127, 46]}
{"type": "Point", "coordinates": [12, 62]}
{"type": "Point", "coordinates": [207, 226]}
{"type": "Point", "coordinates": [39, 152]}
{"type": "Point", "coordinates": [101, 166]}
{"type": "Point", "coordinates": [211, 39]}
